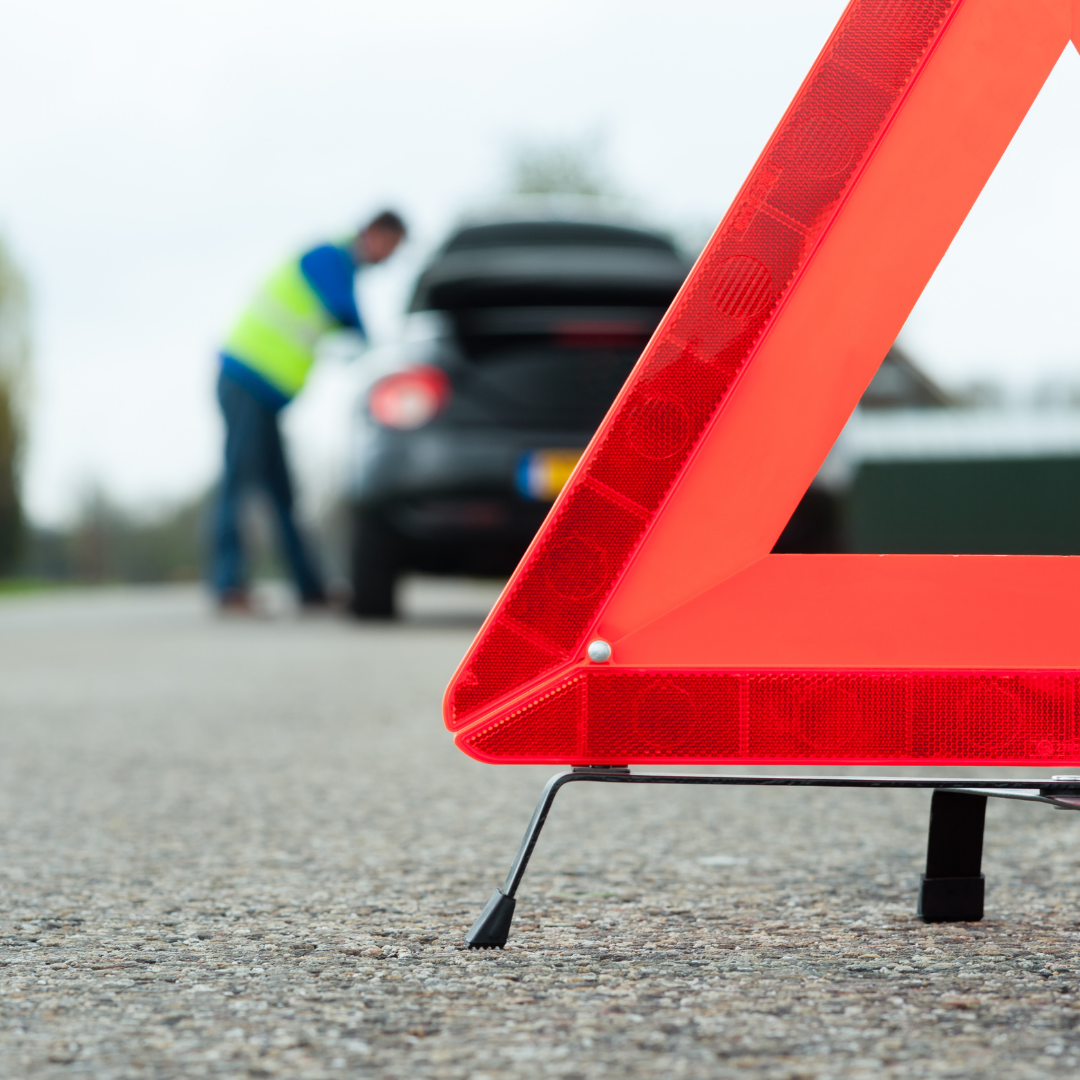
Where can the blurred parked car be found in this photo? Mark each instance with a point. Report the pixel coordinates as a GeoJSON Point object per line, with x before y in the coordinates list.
{"type": "Point", "coordinates": [520, 334]}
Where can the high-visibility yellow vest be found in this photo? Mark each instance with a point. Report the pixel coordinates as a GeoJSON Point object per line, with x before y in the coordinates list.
{"type": "Point", "coordinates": [276, 335]}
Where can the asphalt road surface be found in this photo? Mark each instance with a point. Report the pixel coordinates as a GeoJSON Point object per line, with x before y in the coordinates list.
{"type": "Point", "coordinates": [248, 848]}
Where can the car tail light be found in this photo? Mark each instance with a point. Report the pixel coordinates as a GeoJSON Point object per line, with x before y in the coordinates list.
{"type": "Point", "coordinates": [409, 399]}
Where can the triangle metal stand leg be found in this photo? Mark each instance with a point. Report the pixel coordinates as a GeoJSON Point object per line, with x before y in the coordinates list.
{"type": "Point", "coordinates": [492, 928]}
{"type": "Point", "coordinates": [951, 889]}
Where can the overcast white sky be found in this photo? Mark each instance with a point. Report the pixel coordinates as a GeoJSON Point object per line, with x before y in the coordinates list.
{"type": "Point", "coordinates": [156, 159]}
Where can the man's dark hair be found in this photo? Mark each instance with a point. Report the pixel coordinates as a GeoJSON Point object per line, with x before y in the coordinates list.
{"type": "Point", "coordinates": [388, 220]}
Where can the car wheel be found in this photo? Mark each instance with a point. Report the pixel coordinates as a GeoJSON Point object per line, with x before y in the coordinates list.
{"type": "Point", "coordinates": [374, 568]}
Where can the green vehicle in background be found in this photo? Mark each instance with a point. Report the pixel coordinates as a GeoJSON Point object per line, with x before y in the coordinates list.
{"type": "Point", "coordinates": [914, 472]}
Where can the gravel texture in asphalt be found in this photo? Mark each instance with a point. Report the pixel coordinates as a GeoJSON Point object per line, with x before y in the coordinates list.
{"type": "Point", "coordinates": [248, 848]}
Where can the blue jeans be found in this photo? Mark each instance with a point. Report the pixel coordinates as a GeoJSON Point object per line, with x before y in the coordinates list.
{"type": "Point", "coordinates": [255, 459]}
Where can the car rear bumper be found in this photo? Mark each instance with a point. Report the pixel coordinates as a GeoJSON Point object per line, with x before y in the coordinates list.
{"type": "Point", "coordinates": [451, 496]}
{"type": "Point", "coordinates": [446, 463]}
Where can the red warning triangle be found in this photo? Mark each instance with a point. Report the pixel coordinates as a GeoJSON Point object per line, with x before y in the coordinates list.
{"type": "Point", "coordinates": [659, 545]}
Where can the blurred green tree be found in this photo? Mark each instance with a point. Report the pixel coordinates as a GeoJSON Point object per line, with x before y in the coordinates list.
{"type": "Point", "coordinates": [14, 369]}
{"type": "Point", "coordinates": [560, 169]}
{"type": "Point", "coordinates": [108, 543]}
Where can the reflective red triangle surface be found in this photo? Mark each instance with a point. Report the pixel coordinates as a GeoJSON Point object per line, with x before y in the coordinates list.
{"type": "Point", "coordinates": [659, 545]}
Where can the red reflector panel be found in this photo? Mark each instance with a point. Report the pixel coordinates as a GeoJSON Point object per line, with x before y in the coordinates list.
{"type": "Point", "coordinates": [605, 717]}
{"type": "Point", "coordinates": [570, 570]}
{"type": "Point", "coordinates": [704, 342]}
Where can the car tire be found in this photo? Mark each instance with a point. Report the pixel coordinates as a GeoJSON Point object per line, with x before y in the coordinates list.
{"type": "Point", "coordinates": [374, 566]}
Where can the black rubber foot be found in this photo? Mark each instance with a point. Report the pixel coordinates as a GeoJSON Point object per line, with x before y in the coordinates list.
{"type": "Point", "coordinates": [492, 929]}
{"type": "Point", "coordinates": [951, 899]}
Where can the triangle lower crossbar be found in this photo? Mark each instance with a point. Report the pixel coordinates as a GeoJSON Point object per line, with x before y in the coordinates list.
{"type": "Point", "coordinates": [899, 660]}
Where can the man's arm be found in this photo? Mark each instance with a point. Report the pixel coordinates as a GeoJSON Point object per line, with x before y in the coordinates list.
{"type": "Point", "coordinates": [329, 271]}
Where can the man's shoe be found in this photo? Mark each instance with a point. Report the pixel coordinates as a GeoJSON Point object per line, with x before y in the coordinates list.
{"type": "Point", "coordinates": [332, 601]}
{"type": "Point", "coordinates": [235, 602]}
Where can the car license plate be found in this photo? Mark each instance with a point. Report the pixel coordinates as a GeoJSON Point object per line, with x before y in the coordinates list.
{"type": "Point", "coordinates": [542, 474]}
